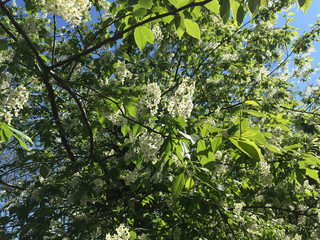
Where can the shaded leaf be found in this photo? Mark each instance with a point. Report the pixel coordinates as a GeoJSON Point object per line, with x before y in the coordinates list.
{"type": "Point", "coordinates": [178, 185]}
{"type": "Point", "coordinates": [146, 3]}
{"type": "Point", "coordinates": [248, 147]}
{"type": "Point", "coordinates": [274, 149]}
{"type": "Point", "coordinates": [139, 11]}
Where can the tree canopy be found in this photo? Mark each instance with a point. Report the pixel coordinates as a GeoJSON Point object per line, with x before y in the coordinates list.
{"type": "Point", "coordinates": [166, 119]}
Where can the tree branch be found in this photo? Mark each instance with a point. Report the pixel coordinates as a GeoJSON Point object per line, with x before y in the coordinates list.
{"type": "Point", "coordinates": [11, 186]}
{"type": "Point", "coordinates": [55, 113]}
{"type": "Point", "coordinates": [119, 35]}
{"type": "Point", "coordinates": [82, 109]}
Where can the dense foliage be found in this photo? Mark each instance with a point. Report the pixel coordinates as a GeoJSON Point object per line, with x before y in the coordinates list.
{"type": "Point", "coordinates": [167, 119]}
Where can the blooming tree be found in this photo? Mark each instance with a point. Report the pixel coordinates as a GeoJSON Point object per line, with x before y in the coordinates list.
{"type": "Point", "coordinates": [167, 119]}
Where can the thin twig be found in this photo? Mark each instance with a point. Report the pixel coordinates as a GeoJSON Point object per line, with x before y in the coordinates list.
{"type": "Point", "coordinates": [54, 39]}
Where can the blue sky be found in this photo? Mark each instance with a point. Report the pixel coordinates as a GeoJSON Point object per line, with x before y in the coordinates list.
{"type": "Point", "coordinates": [303, 22]}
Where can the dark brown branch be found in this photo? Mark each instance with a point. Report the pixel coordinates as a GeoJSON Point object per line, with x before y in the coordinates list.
{"type": "Point", "coordinates": [81, 108]}
{"type": "Point", "coordinates": [11, 186]}
{"type": "Point", "coordinates": [55, 113]}
{"type": "Point", "coordinates": [8, 32]}
{"type": "Point", "coordinates": [300, 111]}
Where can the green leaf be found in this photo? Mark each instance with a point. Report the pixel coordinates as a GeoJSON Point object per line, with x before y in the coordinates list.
{"type": "Point", "coordinates": [21, 134]}
{"type": "Point", "coordinates": [250, 102]}
{"type": "Point", "coordinates": [181, 122]}
{"type": "Point", "coordinates": [253, 6]}
{"type": "Point", "coordinates": [3, 44]}
{"type": "Point", "coordinates": [258, 138]}
{"type": "Point", "coordinates": [44, 171]}
{"type": "Point", "coordinates": [139, 11]}
{"type": "Point", "coordinates": [225, 10]}
{"type": "Point", "coordinates": [255, 113]}
{"type": "Point", "coordinates": [248, 134]}
{"type": "Point", "coordinates": [189, 183]}
{"type": "Point", "coordinates": [240, 15]}
{"type": "Point", "coordinates": [216, 142]}
{"type": "Point", "coordinates": [247, 147]}
{"type": "Point", "coordinates": [102, 119]}
{"type": "Point", "coordinates": [301, 3]}
{"type": "Point", "coordinates": [179, 3]}
{"type": "Point", "coordinates": [142, 35]}
{"type": "Point", "coordinates": [192, 28]}
{"type": "Point", "coordinates": [136, 129]}
{"type": "Point", "coordinates": [293, 146]}
{"type": "Point", "coordinates": [201, 146]}
{"type": "Point", "coordinates": [6, 132]}
{"type": "Point", "coordinates": [133, 235]}
{"type": "Point", "coordinates": [130, 107]}
{"type": "Point", "coordinates": [264, 3]}
{"type": "Point", "coordinates": [234, 8]}
{"type": "Point", "coordinates": [313, 174]}
{"type": "Point", "coordinates": [311, 159]}
{"type": "Point", "coordinates": [167, 145]}
{"type": "Point", "coordinates": [179, 23]}
{"type": "Point", "coordinates": [125, 129]}
{"type": "Point", "coordinates": [214, 129]}
{"type": "Point", "coordinates": [178, 185]}
{"type": "Point", "coordinates": [213, 6]}
{"type": "Point", "coordinates": [207, 160]}
{"type": "Point", "coordinates": [146, 3]}
{"type": "Point", "coordinates": [22, 143]}
{"type": "Point", "coordinates": [30, 5]}
{"type": "Point", "coordinates": [274, 149]}
{"type": "Point", "coordinates": [306, 5]}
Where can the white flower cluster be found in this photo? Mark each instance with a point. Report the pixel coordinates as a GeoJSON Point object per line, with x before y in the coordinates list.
{"type": "Point", "coordinates": [70, 10]}
{"type": "Point", "coordinates": [131, 176]}
{"type": "Point", "coordinates": [150, 144]}
{"type": "Point", "coordinates": [262, 73]}
{"type": "Point", "coordinates": [152, 98]}
{"type": "Point", "coordinates": [143, 237]}
{"type": "Point", "coordinates": [117, 119]}
{"type": "Point", "coordinates": [158, 36]}
{"type": "Point", "coordinates": [105, 5]}
{"type": "Point", "coordinates": [122, 72]}
{"type": "Point", "coordinates": [264, 168]}
{"type": "Point", "coordinates": [13, 102]}
{"type": "Point", "coordinates": [265, 175]}
{"type": "Point", "coordinates": [181, 103]}
{"type": "Point", "coordinates": [122, 233]}
{"type": "Point", "coordinates": [238, 207]}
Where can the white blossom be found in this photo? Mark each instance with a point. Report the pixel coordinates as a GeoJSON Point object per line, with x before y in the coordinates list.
{"type": "Point", "coordinates": [238, 207]}
{"type": "Point", "coordinates": [122, 73]}
{"type": "Point", "coordinates": [70, 10]}
{"type": "Point", "coordinates": [152, 98]}
{"type": "Point", "coordinates": [13, 102]}
{"type": "Point", "coordinates": [150, 144]}
{"type": "Point", "coordinates": [181, 103]}
{"type": "Point", "coordinates": [158, 36]}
